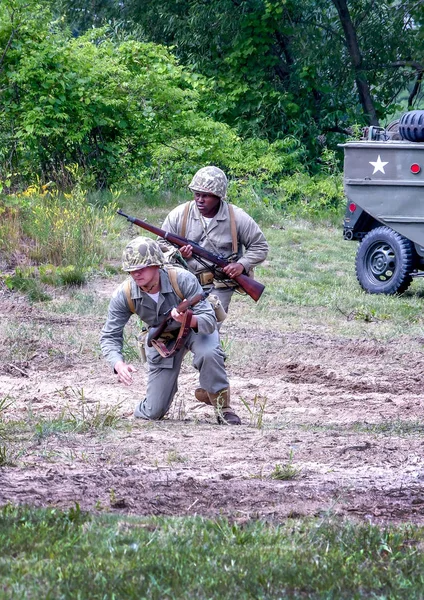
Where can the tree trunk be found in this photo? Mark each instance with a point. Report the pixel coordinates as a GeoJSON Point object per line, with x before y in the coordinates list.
{"type": "Point", "coordinates": [356, 58]}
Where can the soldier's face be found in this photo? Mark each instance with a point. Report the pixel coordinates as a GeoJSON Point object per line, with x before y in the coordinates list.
{"type": "Point", "coordinates": [148, 279]}
{"type": "Point", "coordinates": [208, 204]}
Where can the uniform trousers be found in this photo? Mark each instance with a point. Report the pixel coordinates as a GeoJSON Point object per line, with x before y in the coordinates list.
{"type": "Point", "coordinates": [162, 384]}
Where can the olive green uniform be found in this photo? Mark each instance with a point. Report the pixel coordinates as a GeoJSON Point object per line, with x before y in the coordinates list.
{"type": "Point", "coordinates": [216, 237]}
{"type": "Point", "coordinates": [208, 357]}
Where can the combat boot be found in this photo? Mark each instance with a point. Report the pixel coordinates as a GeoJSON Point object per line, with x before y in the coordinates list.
{"type": "Point", "coordinates": [202, 396]}
{"type": "Point", "coordinates": [224, 413]}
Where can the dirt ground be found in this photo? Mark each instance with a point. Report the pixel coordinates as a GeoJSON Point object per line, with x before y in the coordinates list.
{"type": "Point", "coordinates": [321, 394]}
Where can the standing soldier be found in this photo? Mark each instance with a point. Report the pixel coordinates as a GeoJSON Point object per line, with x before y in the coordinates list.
{"type": "Point", "coordinates": [219, 227]}
{"type": "Point", "coordinates": [153, 292]}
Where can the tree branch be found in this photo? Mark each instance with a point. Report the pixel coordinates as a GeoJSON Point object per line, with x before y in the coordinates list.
{"type": "Point", "coordinates": [352, 43]}
{"type": "Point", "coordinates": [419, 68]}
{"type": "Point", "coordinates": [9, 42]}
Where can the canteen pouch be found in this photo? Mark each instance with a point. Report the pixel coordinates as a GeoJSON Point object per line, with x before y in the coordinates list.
{"type": "Point", "coordinates": [141, 343]}
{"type": "Point", "coordinates": [220, 313]}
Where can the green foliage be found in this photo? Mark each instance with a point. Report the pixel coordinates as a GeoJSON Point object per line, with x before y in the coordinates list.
{"type": "Point", "coordinates": [275, 68]}
{"type": "Point", "coordinates": [25, 280]}
{"type": "Point", "coordinates": [58, 276]}
{"type": "Point", "coordinates": [307, 196]}
{"type": "Point", "coordinates": [97, 111]}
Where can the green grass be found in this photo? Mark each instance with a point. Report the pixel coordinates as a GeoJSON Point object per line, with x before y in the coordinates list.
{"type": "Point", "coordinates": [310, 276]}
{"type": "Point", "coordinates": [52, 554]}
{"type": "Point", "coordinates": [397, 427]}
{"type": "Point", "coordinates": [286, 471]}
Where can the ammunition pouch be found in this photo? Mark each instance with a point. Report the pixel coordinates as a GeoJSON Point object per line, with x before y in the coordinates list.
{"type": "Point", "coordinates": [205, 278]}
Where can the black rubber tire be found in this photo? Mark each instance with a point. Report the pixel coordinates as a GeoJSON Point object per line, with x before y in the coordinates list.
{"type": "Point", "coordinates": [411, 126]}
{"type": "Point", "coordinates": [384, 262]}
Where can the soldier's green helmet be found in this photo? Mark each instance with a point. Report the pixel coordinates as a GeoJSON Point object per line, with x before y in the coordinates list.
{"type": "Point", "coordinates": [210, 180]}
{"type": "Point", "coordinates": [142, 252]}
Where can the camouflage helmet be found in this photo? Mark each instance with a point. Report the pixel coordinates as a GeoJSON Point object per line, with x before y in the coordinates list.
{"type": "Point", "coordinates": [142, 252]}
{"type": "Point", "coordinates": [210, 180]}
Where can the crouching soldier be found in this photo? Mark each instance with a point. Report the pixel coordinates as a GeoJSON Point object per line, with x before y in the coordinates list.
{"type": "Point", "coordinates": [154, 292]}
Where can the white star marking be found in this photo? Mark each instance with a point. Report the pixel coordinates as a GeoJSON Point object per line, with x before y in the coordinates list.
{"type": "Point", "coordinates": [378, 165]}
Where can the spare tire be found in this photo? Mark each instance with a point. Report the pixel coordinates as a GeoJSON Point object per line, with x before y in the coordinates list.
{"type": "Point", "coordinates": [411, 126]}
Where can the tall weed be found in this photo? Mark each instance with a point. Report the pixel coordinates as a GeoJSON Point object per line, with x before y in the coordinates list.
{"type": "Point", "coordinates": [10, 229]}
{"type": "Point", "coordinates": [65, 229]}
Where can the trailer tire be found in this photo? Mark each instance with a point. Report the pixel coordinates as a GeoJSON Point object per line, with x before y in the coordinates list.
{"type": "Point", "coordinates": [411, 126]}
{"type": "Point", "coordinates": [384, 262]}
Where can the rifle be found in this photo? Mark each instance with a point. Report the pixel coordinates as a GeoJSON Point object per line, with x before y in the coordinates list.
{"type": "Point", "coordinates": [253, 288]}
{"type": "Point", "coordinates": [155, 332]}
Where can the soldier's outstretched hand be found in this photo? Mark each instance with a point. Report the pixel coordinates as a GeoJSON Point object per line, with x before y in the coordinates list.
{"type": "Point", "coordinates": [124, 372]}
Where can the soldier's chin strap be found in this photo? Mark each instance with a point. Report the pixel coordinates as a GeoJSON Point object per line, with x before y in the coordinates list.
{"type": "Point", "coordinates": [182, 334]}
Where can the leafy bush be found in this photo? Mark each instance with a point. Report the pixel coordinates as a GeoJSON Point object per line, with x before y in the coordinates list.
{"type": "Point", "coordinates": [100, 112]}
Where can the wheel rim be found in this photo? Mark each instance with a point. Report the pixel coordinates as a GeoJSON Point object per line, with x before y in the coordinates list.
{"type": "Point", "coordinates": [380, 261]}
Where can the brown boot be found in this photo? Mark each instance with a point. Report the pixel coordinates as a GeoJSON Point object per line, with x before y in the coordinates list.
{"type": "Point", "coordinates": [224, 413]}
{"type": "Point", "coordinates": [202, 396]}
{"type": "Point", "coordinates": [228, 416]}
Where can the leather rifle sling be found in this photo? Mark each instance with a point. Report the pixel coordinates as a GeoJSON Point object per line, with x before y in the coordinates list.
{"type": "Point", "coordinates": [182, 334]}
{"type": "Point", "coordinates": [185, 325]}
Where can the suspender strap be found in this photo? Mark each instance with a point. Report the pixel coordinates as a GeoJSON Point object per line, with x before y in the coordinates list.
{"type": "Point", "coordinates": [233, 228]}
{"type": "Point", "coordinates": [127, 292]}
{"type": "Point", "coordinates": [185, 219]}
{"type": "Point", "coordinates": [172, 273]}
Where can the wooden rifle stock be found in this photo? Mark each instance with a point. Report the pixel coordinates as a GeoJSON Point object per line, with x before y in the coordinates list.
{"type": "Point", "coordinates": [156, 332]}
{"type": "Point", "coordinates": [253, 288]}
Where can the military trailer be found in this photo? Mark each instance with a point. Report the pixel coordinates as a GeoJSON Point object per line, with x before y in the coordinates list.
{"type": "Point", "coordinates": [384, 186]}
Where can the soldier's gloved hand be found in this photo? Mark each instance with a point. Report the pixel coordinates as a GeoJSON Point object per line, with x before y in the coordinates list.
{"type": "Point", "coordinates": [233, 269]}
{"type": "Point", "coordinates": [124, 372]}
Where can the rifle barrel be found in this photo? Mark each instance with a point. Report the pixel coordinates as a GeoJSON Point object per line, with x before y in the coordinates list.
{"type": "Point", "coordinates": [253, 288]}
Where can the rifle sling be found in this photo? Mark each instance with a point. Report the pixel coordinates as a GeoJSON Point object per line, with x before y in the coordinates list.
{"type": "Point", "coordinates": [182, 334]}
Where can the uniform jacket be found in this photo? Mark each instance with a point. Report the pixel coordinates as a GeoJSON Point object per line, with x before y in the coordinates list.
{"type": "Point", "coordinates": [252, 245]}
{"type": "Point", "coordinates": [152, 313]}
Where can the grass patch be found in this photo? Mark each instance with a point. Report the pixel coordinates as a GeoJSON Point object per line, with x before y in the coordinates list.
{"type": "Point", "coordinates": [88, 416]}
{"type": "Point", "coordinates": [396, 428]}
{"type": "Point", "coordinates": [8, 453]}
{"type": "Point", "coordinates": [25, 280]}
{"type": "Point", "coordinates": [286, 471]}
{"type": "Point", "coordinates": [55, 554]}
{"type": "Point", "coordinates": [311, 267]}
{"type": "Point", "coordinates": [256, 410]}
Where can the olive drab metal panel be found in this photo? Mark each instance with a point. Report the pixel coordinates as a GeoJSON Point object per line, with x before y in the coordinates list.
{"type": "Point", "coordinates": [386, 179]}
